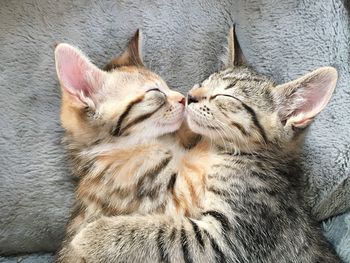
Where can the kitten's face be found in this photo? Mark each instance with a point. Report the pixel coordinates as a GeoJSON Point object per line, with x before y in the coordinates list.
{"type": "Point", "coordinates": [125, 101]}
{"type": "Point", "coordinates": [136, 102]}
{"type": "Point", "coordinates": [244, 111]}
{"type": "Point", "coordinates": [234, 106]}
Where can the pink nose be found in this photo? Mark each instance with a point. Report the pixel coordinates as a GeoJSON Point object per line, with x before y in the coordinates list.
{"type": "Point", "coordinates": [183, 101]}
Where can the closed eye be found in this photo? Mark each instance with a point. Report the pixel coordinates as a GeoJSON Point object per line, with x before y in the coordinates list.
{"type": "Point", "coordinates": [155, 89]}
{"type": "Point", "coordinates": [226, 95]}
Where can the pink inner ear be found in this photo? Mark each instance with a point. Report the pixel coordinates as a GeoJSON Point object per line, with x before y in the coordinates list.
{"type": "Point", "coordinates": [315, 92]}
{"type": "Point", "coordinates": [76, 73]}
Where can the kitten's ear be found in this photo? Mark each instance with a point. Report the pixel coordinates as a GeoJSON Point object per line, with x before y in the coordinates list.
{"type": "Point", "coordinates": [132, 56]}
{"type": "Point", "coordinates": [235, 55]}
{"type": "Point", "coordinates": [299, 101]}
{"type": "Point", "coordinates": [77, 75]}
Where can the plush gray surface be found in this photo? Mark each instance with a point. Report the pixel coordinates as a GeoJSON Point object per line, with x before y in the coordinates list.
{"type": "Point", "coordinates": [31, 258]}
{"type": "Point", "coordinates": [183, 40]}
{"type": "Point", "coordinates": [337, 230]}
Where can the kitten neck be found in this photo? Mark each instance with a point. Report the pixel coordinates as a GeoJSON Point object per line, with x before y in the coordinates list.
{"type": "Point", "coordinates": [103, 148]}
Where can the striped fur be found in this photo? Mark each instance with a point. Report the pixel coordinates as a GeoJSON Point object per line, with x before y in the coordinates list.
{"type": "Point", "coordinates": [233, 197]}
{"type": "Point", "coordinates": [252, 206]}
{"type": "Point", "coordinates": [252, 211]}
{"type": "Point", "coordinates": [159, 176]}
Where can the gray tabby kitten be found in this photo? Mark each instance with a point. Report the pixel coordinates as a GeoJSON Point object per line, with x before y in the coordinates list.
{"type": "Point", "coordinates": [253, 209]}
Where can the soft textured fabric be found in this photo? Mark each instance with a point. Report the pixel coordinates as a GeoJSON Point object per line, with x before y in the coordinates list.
{"type": "Point", "coordinates": [337, 231]}
{"type": "Point", "coordinates": [32, 258]}
{"type": "Point", "coordinates": [182, 42]}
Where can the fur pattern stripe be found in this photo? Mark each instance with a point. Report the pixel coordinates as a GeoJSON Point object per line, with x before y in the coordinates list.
{"type": "Point", "coordinates": [117, 130]}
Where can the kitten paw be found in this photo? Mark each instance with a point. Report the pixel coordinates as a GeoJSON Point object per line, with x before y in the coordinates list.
{"type": "Point", "coordinates": [89, 240]}
{"type": "Point", "coordinates": [79, 243]}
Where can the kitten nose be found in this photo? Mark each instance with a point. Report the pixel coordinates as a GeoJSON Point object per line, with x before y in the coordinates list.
{"type": "Point", "coordinates": [183, 101]}
{"type": "Point", "coordinates": [191, 99]}
{"type": "Point", "coordinates": [176, 97]}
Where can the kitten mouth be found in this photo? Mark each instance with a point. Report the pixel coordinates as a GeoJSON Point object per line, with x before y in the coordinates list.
{"type": "Point", "coordinates": [178, 120]}
{"type": "Point", "coordinates": [174, 123]}
{"type": "Point", "coordinates": [199, 124]}
{"type": "Point", "coordinates": [203, 125]}
{"type": "Point", "coordinates": [190, 115]}
{"type": "Point", "coordinates": [191, 119]}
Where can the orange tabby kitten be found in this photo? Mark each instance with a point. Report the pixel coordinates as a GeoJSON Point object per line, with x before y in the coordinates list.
{"type": "Point", "coordinates": [118, 125]}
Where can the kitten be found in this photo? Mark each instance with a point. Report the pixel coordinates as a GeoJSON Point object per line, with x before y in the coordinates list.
{"type": "Point", "coordinates": [118, 124]}
{"type": "Point", "coordinates": [253, 209]}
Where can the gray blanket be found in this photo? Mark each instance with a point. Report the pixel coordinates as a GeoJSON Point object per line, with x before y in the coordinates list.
{"type": "Point", "coordinates": [183, 40]}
